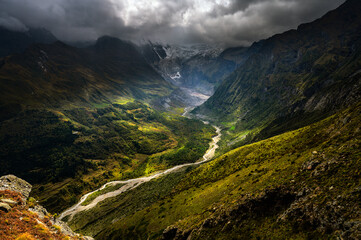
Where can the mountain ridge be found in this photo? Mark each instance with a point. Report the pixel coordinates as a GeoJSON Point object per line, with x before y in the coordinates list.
{"type": "Point", "coordinates": [12, 42]}
{"type": "Point", "coordinates": [292, 75]}
{"type": "Point", "coordinates": [54, 74]}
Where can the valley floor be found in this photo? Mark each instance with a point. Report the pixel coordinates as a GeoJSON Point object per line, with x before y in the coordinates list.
{"type": "Point", "coordinates": [130, 184]}
{"type": "Point", "coordinates": [303, 184]}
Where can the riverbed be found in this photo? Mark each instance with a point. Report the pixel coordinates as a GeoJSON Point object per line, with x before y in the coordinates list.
{"type": "Point", "coordinates": [133, 183]}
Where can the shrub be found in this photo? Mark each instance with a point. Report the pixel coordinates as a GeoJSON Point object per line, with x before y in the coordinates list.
{"type": "Point", "coordinates": [25, 236]}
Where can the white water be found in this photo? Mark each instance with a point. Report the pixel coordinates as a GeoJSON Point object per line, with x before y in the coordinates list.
{"type": "Point", "coordinates": [133, 183]}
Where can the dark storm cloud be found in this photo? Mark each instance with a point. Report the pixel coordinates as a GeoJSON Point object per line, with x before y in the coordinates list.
{"type": "Point", "coordinates": [231, 22]}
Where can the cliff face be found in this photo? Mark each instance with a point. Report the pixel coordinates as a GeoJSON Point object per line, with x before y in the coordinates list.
{"type": "Point", "coordinates": [22, 218]}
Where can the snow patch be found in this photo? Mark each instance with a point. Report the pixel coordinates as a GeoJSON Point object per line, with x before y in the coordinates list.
{"type": "Point", "coordinates": [176, 76]}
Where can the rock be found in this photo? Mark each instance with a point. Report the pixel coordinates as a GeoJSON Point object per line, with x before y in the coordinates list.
{"type": "Point", "coordinates": [13, 183]}
{"type": "Point", "coordinates": [40, 210]}
{"type": "Point", "coordinates": [310, 165]}
{"type": "Point", "coordinates": [207, 223]}
{"type": "Point", "coordinates": [5, 207]}
{"type": "Point", "coordinates": [64, 228]}
{"type": "Point", "coordinates": [169, 233]}
{"type": "Point", "coordinates": [9, 201]}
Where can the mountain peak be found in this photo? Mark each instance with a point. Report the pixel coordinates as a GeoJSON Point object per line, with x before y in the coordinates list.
{"type": "Point", "coordinates": [16, 42]}
{"type": "Point", "coordinates": [110, 41]}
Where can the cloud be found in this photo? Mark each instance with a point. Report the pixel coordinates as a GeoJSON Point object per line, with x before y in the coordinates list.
{"type": "Point", "coordinates": [12, 23]}
{"type": "Point", "coordinates": [229, 22]}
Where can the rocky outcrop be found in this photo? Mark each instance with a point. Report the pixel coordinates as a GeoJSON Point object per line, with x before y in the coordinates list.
{"type": "Point", "coordinates": [25, 216]}
{"type": "Point", "coordinates": [13, 183]}
{"type": "Point", "coordinates": [5, 207]}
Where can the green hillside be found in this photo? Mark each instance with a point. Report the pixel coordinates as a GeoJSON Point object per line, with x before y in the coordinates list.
{"type": "Point", "coordinates": [72, 150]}
{"type": "Point", "coordinates": [54, 75]}
{"type": "Point", "coordinates": [303, 184]}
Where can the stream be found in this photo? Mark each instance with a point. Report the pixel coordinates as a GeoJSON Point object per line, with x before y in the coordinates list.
{"type": "Point", "coordinates": [133, 183]}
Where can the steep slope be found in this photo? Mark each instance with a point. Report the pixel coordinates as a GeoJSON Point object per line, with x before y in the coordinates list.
{"type": "Point", "coordinates": [56, 74]}
{"type": "Point", "coordinates": [295, 78]}
{"type": "Point", "coordinates": [16, 42]}
{"type": "Point", "coordinates": [199, 67]}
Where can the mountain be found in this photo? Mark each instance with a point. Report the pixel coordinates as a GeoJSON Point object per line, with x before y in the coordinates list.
{"type": "Point", "coordinates": [298, 91]}
{"type": "Point", "coordinates": [58, 74]}
{"type": "Point", "coordinates": [87, 127]}
{"type": "Point", "coordinates": [16, 42]}
{"type": "Point", "coordinates": [199, 67]}
{"type": "Point", "coordinates": [293, 79]}
{"type": "Point", "coordinates": [72, 119]}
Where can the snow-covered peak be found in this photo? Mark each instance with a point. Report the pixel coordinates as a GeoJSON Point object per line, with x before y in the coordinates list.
{"type": "Point", "coordinates": [188, 51]}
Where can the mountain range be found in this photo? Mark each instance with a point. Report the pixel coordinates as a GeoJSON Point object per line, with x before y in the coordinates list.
{"type": "Point", "coordinates": [294, 78]}
{"type": "Point", "coordinates": [118, 133]}
{"type": "Point", "coordinates": [199, 66]}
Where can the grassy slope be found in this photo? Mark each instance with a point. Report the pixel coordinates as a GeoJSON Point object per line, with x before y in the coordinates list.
{"type": "Point", "coordinates": [244, 192]}
{"type": "Point", "coordinates": [66, 152]}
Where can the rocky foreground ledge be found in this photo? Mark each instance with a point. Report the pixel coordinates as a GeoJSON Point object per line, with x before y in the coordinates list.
{"type": "Point", "coordinates": [22, 218]}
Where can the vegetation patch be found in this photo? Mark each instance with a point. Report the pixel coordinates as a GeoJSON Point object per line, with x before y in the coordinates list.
{"type": "Point", "coordinates": [22, 224]}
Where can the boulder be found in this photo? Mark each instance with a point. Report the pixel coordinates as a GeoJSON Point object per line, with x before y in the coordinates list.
{"type": "Point", "coordinates": [5, 207]}
{"type": "Point", "coordinates": [13, 183]}
{"type": "Point", "coordinates": [8, 201]}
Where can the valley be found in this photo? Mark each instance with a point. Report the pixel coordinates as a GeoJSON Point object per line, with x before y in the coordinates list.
{"type": "Point", "coordinates": [227, 137]}
{"type": "Point", "coordinates": [132, 183]}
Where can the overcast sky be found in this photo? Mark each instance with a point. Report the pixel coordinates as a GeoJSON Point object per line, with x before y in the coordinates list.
{"type": "Point", "coordinates": [228, 22]}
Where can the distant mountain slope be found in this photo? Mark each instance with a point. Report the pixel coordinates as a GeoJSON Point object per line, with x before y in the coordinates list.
{"type": "Point", "coordinates": [294, 78]}
{"type": "Point", "coordinates": [16, 42]}
{"type": "Point", "coordinates": [200, 67]}
{"type": "Point", "coordinates": [56, 74]}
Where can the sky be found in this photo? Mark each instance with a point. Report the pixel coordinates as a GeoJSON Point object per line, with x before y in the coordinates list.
{"type": "Point", "coordinates": [225, 22]}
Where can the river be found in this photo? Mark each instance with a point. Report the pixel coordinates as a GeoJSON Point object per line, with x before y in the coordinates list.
{"type": "Point", "coordinates": [133, 183]}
